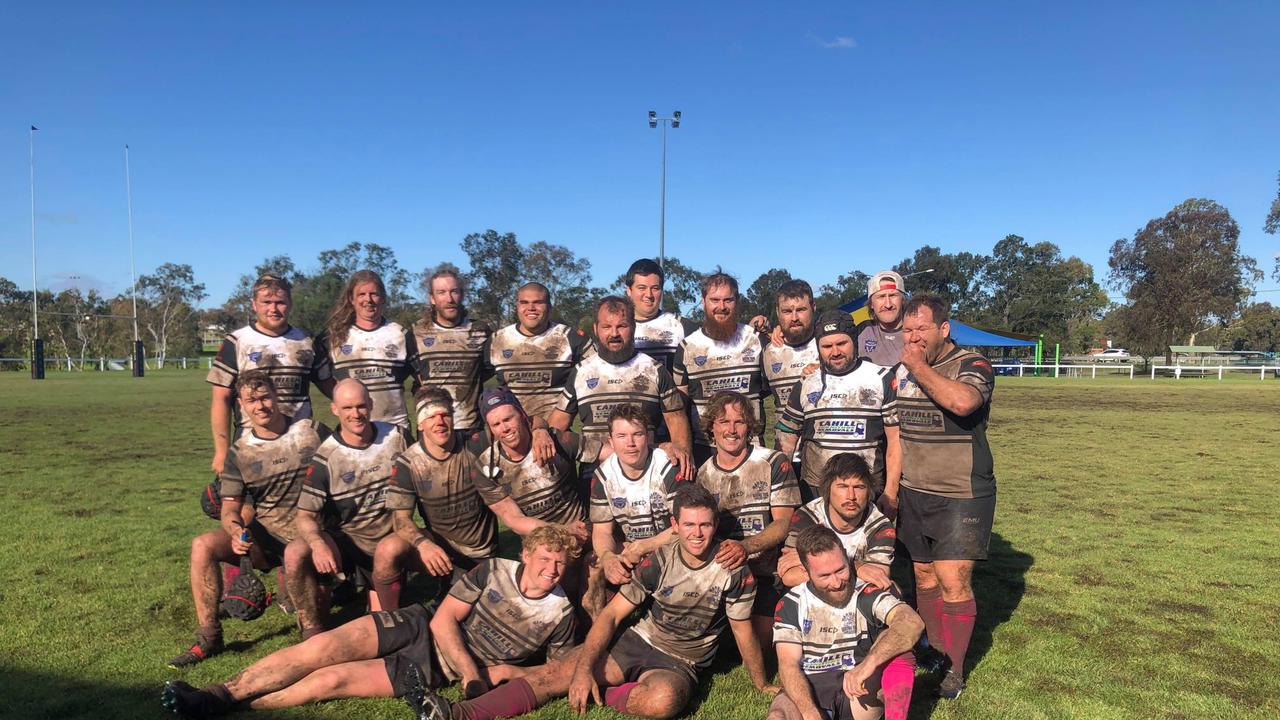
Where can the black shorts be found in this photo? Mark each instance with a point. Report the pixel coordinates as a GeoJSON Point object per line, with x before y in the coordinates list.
{"type": "Point", "coordinates": [807, 492]}
{"type": "Point", "coordinates": [767, 596]}
{"type": "Point", "coordinates": [404, 640]}
{"type": "Point", "coordinates": [354, 560]}
{"type": "Point", "coordinates": [828, 691]}
{"type": "Point", "coordinates": [271, 547]}
{"type": "Point", "coordinates": [935, 527]}
{"type": "Point", "coordinates": [636, 656]}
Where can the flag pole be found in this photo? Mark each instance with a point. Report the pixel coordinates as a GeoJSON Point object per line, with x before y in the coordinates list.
{"type": "Point", "coordinates": [139, 361]}
{"type": "Point", "coordinates": [37, 345]}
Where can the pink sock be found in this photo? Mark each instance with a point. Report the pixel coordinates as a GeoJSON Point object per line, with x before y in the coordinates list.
{"type": "Point", "coordinates": [509, 699]}
{"type": "Point", "coordinates": [957, 627]}
{"type": "Point", "coordinates": [896, 680]}
{"type": "Point", "coordinates": [616, 697]}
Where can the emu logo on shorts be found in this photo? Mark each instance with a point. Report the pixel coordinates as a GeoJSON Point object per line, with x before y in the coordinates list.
{"type": "Point", "coordinates": [592, 383]}
{"type": "Point", "coordinates": [776, 367]}
{"type": "Point", "coordinates": [871, 345]}
{"type": "Point", "coordinates": [346, 349]}
{"type": "Point", "coordinates": [255, 356]}
{"type": "Point", "coordinates": [506, 354]}
{"type": "Point", "coordinates": [494, 596]}
{"type": "Point", "coordinates": [428, 341]}
{"type": "Point", "coordinates": [348, 476]}
{"type": "Point", "coordinates": [619, 502]}
{"type": "Point", "coordinates": [813, 396]}
{"type": "Point", "coordinates": [700, 360]}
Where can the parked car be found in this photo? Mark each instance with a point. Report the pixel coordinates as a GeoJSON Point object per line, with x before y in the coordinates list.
{"type": "Point", "coordinates": [1007, 361]}
{"type": "Point", "coordinates": [1112, 355]}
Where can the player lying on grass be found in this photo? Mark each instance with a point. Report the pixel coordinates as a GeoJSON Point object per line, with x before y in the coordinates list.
{"type": "Point", "coordinates": [496, 620]}
{"type": "Point", "coordinates": [649, 669]}
{"type": "Point", "coordinates": [828, 664]}
{"type": "Point", "coordinates": [266, 465]}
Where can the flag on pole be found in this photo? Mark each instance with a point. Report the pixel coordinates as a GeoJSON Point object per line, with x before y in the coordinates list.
{"type": "Point", "coordinates": [33, 127]}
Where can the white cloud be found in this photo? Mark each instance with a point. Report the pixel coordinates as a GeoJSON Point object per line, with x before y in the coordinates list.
{"type": "Point", "coordinates": [841, 42]}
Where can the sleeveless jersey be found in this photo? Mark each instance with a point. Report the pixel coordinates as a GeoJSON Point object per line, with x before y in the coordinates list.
{"type": "Point", "coordinates": [444, 492]}
{"type": "Point", "coordinates": [709, 366]}
{"type": "Point", "coordinates": [353, 481]}
{"type": "Point", "coordinates": [831, 637]}
{"type": "Point", "coordinates": [290, 359]}
{"type": "Point", "coordinates": [747, 495]}
{"type": "Point", "coordinates": [269, 473]}
{"type": "Point", "coordinates": [595, 387]}
{"type": "Point", "coordinates": [453, 358]}
{"type": "Point", "coordinates": [642, 507]}
{"type": "Point", "coordinates": [870, 542]}
{"type": "Point", "coordinates": [380, 359]}
{"type": "Point", "coordinates": [535, 368]}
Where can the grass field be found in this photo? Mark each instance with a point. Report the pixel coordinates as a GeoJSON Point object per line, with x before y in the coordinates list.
{"type": "Point", "coordinates": [1132, 571]}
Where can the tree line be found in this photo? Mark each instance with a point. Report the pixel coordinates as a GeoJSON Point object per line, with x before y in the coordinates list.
{"type": "Point", "coordinates": [1183, 278]}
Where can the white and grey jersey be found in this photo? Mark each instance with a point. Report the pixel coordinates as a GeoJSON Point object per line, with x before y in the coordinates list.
{"type": "Point", "coordinates": [268, 473]}
{"type": "Point", "coordinates": [536, 367]}
{"type": "Point", "coordinates": [641, 507]}
{"type": "Point", "coordinates": [353, 481]}
{"type": "Point", "coordinates": [708, 366]}
{"type": "Point", "coordinates": [289, 358]}
{"type": "Point", "coordinates": [871, 542]}
{"type": "Point", "coordinates": [831, 637]}
{"type": "Point", "coordinates": [596, 386]}
{"type": "Point", "coordinates": [784, 365]}
{"type": "Point", "coordinates": [453, 358]}
{"type": "Point", "coordinates": [381, 359]}
{"type": "Point", "coordinates": [507, 627]}
{"type": "Point", "coordinates": [661, 335]}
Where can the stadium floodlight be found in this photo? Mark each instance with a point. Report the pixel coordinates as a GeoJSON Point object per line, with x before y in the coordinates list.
{"type": "Point", "coordinates": [674, 122]}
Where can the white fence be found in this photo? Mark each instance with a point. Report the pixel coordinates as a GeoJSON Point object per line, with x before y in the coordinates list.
{"type": "Point", "coordinates": [1204, 370]}
{"type": "Point", "coordinates": [104, 364]}
{"type": "Point", "coordinates": [1178, 371]}
{"type": "Point", "coordinates": [1070, 370]}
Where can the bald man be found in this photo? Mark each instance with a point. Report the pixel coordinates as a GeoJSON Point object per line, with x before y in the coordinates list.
{"type": "Point", "coordinates": [350, 472]}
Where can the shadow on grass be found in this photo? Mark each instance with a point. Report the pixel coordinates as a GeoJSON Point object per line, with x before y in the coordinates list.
{"type": "Point", "coordinates": [999, 584]}
{"type": "Point", "coordinates": [29, 694]}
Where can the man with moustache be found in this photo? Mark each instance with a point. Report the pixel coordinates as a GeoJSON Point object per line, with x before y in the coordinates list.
{"type": "Point", "coordinates": [288, 354]}
{"type": "Point", "coordinates": [349, 476]}
{"type": "Point", "coordinates": [617, 374]}
{"type": "Point", "coordinates": [361, 343]}
{"type": "Point", "coordinates": [792, 353]}
{"type": "Point", "coordinates": [266, 466]}
{"type": "Point", "coordinates": [833, 635]}
{"type": "Point", "coordinates": [880, 338]}
{"type": "Point", "coordinates": [437, 477]}
{"type": "Point", "coordinates": [650, 669]}
{"type": "Point", "coordinates": [451, 346]}
{"type": "Point", "coordinates": [389, 653]}
{"type": "Point", "coordinates": [948, 497]}
{"type": "Point", "coordinates": [533, 356]}
{"type": "Point", "coordinates": [723, 355]}
{"type": "Point", "coordinates": [757, 494]}
{"type": "Point", "coordinates": [844, 407]}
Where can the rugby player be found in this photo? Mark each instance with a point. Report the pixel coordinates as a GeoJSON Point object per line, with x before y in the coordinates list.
{"type": "Point", "coordinates": [437, 477]}
{"type": "Point", "coordinates": [349, 474]}
{"type": "Point", "coordinates": [792, 353]}
{"type": "Point", "coordinates": [880, 339]}
{"type": "Point", "coordinates": [265, 464]}
{"type": "Point", "coordinates": [533, 356]}
{"type": "Point", "coordinates": [658, 332]}
{"type": "Point", "coordinates": [287, 353]}
{"type": "Point", "coordinates": [650, 668]}
{"type": "Point", "coordinates": [844, 407]}
{"type": "Point", "coordinates": [617, 374]}
{"type": "Point", "coordinates": [722, 355]}
{"type": "Point", "coordinates": [361, 343]}
{"type": "Point", "coordinates": [450, 348]}
{"type": "Point", "coordinates": [833, 635]}
{"type": "Point", "coordinates": [757, 494]}
{"type": "Point", "coordinates": [948, 497]}
{"type": "Point", "coordinates": [388, 652]}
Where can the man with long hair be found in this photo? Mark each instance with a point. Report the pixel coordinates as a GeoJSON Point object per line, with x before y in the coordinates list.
{"type": "Point", "coordinates": [450, 347]}
{"type": "Point", "coordinates": [360, 342]}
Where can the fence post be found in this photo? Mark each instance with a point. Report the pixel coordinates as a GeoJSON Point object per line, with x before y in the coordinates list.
{"type": "Point", "coordinates": [1153, 371]}
{"type": "Point", "coordinates": [1219, 372]}
{"type": "Point", "coordinates": [1262, 373]}
{"type": "Point", "coordinates": [1093, 372]}
{"type": "Point", "coordinates": [1130, 371]}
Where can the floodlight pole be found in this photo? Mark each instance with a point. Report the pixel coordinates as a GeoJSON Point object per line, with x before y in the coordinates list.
{"type": "Point", "coordinates": [674, 122]}
{"type": "Point", "coordinates": [139, 361]}
{"type": "Point", "coordinates": [37, 345]}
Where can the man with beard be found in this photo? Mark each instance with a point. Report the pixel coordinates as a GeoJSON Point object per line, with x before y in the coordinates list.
{"type": "Point", "coordinates": [833, 635]}
{"type": "Point", "coordinates": [948, 497]}
{"type": "Point", "coordinates": [650, 669]}
{"type": "Point", "coordinates": [361, 343]}
{"type": "Point", "coordinates": [450, 348]}
{"type": "Point", "coordinates": [793, 352]}
{"type": "Point", "coordinates": [844, 407]}
{"type": "Point", "coordinates": [533, 356]}
{"type": "Point", "coordinates": [614, 376]}
{"type": "Point", "coordinates": [288, 354]}
{"type": "Point", "coordinates": [880, 338]}
{"type": "Point", "coordinates": [349, 476]}
{"type": "Point", "coordinates": [266, 465]}
{"type": "Point", "coordinates": [437, 477]}
{"type": "Point", "coordinates": [757, 494]}
{"type": "Point", "coordinates": [721, 356]}
{"type": "Point", "coordinates": [389, 653]}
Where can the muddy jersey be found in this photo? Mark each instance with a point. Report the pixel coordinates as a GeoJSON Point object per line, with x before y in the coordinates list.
{"type": "Point", "coordinates": [691, 606]}
{"type": "Point", "coordinates": [784, 366]}
{"type": "Point", "coordinates": [835, 414]}
{"type": "Point", "coordinates": [595, 387]}
{"type": "Point", "coordinates": [641, 507]}
{"type": "Point", "coordinates": [709, 366]}
{"type": "Point", "coordinates": [453, 358]}
{"type": "Point", "coordinates": [353, 481]}
{"type": "Point", "coordinates": [290, 359]}
{"type": "Point", "coordinates": [536, 367]}
{"type": "Point", "coordinates": [546, 492]}
{"type": "Point", "coordinates": [943, 453]}
{"type": "Point", "coordinates": [505, 626]}
{"type": "Point", "coordinates": [870, 542]}
{"type": "Point", "coordinates": [661, 335]}
{"type": "Point", "coordinates": [380, 359]}
{"type": "Point", "coordinates": [444, 492]}
{"type": "Point", "coordinates": [832, 637]}
{"type": "Point", "coordinates": [747, 495]}
{"type": "Point", "coordinates": [268, 473]}
{"type": "Point", "coordinates": [877, 345]}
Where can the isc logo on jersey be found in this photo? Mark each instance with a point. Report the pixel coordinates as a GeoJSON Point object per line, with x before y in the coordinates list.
{"type": "Point", "coordinates": [856, 429]}
{"type": "Point", "coordinates": [732, 383]}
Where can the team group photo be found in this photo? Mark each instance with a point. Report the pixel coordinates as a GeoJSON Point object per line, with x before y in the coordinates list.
{"type": "Point", "coordinates": [829, 395]}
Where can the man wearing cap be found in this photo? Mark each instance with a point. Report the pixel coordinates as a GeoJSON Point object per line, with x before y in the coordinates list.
{"type": "Point", "coordinates": [880, 338]}
{"type": "Point", "coordinates": [844, 407]}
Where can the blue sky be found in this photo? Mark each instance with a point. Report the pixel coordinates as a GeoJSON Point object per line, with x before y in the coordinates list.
{"type": "Point", "coordinates": [818, 137]}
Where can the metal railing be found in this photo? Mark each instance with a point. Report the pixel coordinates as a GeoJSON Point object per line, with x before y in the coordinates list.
{"type": "Point", "coordinates": [106, 364]}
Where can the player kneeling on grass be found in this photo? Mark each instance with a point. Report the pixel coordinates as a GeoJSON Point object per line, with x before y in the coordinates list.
{"type": "Point", "coordinates": [265, 464]}
{"type": "Point", "coordinates": [650, 668]}
{"type": "Point", "coordinates": [823, 633]}
{"type": "Point", "coordinates": [495, 621]}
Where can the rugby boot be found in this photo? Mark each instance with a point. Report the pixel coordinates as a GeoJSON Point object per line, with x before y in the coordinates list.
{"type": "Point", "coordinates": [205, 647]}
{"type": "Point", "coordinates": [425, 704]}
{"type": "Point", "coordinates": [282, 594]}
{"type": "Point", "coordinates": [951, 687]}
{"type": "Point", "coordinates": [189, 702]}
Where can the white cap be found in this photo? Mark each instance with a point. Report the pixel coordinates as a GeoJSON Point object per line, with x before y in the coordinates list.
{"type": "Point", "coordinates": [885, 280]}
